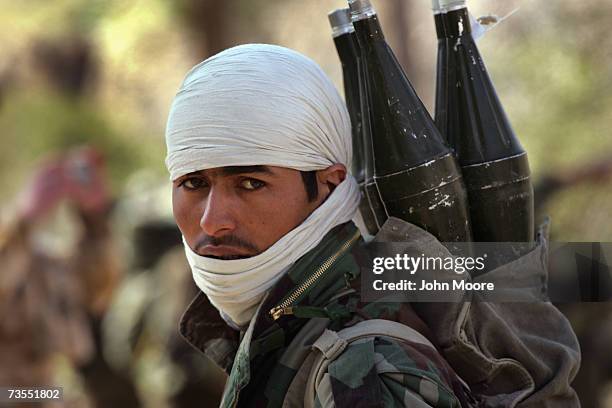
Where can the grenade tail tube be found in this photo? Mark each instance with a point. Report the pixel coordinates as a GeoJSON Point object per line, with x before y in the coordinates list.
{"type": "Point", "coordinates": [375, 202]}
{"type": "Point", "coordinates": [372, 223]}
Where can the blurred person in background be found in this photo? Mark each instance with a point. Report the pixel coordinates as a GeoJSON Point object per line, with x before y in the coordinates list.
{"type": "Point", "coordinates": [48, 301]}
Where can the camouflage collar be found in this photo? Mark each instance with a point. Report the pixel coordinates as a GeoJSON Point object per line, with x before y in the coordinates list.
{"type": "Point", "coordinates": [203, 327]}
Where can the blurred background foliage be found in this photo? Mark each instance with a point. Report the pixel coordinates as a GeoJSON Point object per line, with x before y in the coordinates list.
{"type": "Point", "coordinates": [104, 72]}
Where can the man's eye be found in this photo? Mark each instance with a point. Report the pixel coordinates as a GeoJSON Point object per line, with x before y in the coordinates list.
{"type": "Point", "coordinates": [251, 184]}
{"type": "Point", "coordinates": [193, 183]}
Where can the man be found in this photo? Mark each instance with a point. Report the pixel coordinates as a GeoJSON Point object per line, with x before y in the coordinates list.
{"type": "Point", "coordinates": [258, 148]}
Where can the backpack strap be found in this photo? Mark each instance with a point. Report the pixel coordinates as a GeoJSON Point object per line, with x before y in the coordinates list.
{"type": "Point", "coordinates": [331, 344]}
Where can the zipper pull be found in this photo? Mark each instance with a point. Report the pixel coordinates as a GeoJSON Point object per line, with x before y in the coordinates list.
{"type": "Point", "coordinates": [279, 311]}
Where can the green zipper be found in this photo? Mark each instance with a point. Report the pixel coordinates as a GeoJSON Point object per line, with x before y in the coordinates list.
{"type": "Point", "coordinates": [284, 308]}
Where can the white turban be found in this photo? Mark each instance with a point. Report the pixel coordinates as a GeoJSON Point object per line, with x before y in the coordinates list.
{"type": "Point", "coordinates": [260, 104]}
{"type": "Point", "coordinates": [257, 104]}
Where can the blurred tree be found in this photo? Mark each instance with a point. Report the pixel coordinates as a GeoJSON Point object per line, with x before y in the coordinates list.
{"type": "Point", "coordinates": [409, 29]}
{"type": "Point", "coordinates": [210, 24]}
{"type": "Point", "coordinates": [68, 64]}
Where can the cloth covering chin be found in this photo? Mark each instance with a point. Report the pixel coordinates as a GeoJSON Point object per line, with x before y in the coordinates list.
{"type": "Point", "coordinates": [235, 287]}
{"type": "Point", "coordinates": [259, 104]}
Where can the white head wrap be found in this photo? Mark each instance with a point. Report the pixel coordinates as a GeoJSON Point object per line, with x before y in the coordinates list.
{"type": "Point", "coordinates": [260, 104]}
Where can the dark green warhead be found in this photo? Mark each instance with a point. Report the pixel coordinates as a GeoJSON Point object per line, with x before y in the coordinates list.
{"type": "Point", "coordinates": [414, 169]}
{"type": "Point", "coordinates": [469, 114]}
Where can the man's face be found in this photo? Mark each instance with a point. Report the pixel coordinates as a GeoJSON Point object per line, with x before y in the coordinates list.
{"type": "Point", "coordinates": [238, 212]}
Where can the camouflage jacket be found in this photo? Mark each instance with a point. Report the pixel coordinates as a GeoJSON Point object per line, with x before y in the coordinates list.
{"type": "Point", "coordinates": [505, 358]}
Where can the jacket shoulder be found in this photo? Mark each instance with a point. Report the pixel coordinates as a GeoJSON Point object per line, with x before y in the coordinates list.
{"type": "Point", "coordinates": [380, 363]}
{"type": "Point", "coordinates": [395, 372]}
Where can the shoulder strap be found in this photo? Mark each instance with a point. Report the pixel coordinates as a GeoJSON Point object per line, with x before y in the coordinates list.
{"type": "Point", "coordinates": [331, 344]}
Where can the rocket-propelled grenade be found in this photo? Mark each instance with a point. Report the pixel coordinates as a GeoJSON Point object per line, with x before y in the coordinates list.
{"type": "Point", "coordinates": [343, 34]}
{"type": "Point", "coordinates": [469, 114]}
{"type": "Point", "coordinates": [345, 41]}
{"type": "Point", "coordinates": [414, 169]}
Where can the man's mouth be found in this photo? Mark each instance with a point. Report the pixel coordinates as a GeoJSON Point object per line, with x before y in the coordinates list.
{"type": "Point", "coordinates": [225, 252]}
{"type": "Point", "coordinates": [226, 247]}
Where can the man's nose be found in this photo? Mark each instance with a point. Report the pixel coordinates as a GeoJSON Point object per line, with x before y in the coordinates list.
{"type": "Point", "coordinates": [216, 217]}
